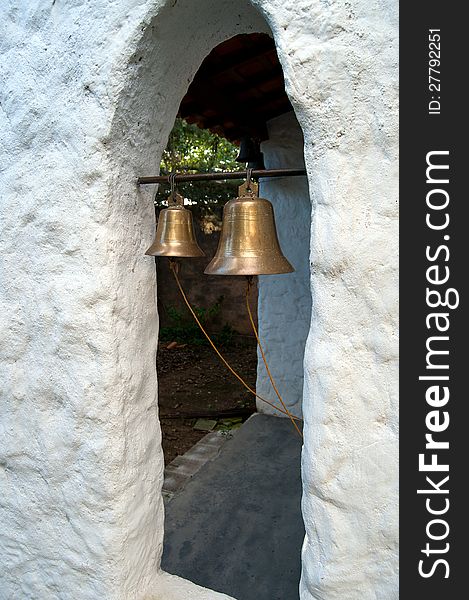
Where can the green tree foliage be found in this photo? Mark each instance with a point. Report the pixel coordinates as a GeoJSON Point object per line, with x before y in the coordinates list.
{"type": "Point", "coordinates": [194, 150]}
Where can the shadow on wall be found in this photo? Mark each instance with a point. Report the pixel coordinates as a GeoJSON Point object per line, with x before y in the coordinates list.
{"type": "Point", "coordinates": [284, 302]}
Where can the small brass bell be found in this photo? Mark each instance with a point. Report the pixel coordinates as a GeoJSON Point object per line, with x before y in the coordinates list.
{"type": "Point", "coordinates": [175, 234]}
{"type": "Point", "coordinates": [248, 241]}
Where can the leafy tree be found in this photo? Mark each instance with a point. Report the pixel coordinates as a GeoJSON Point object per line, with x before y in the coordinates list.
{"type": "Point", "coordinates": [194, 150]}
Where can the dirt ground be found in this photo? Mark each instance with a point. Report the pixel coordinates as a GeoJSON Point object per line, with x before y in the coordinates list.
{"type": "Point", "coordinates": [194, 384]}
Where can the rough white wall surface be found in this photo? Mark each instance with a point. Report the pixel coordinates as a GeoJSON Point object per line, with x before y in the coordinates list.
{"type": "Point", "coordinates": [284, 305]}
{"type": "Point", "coordinates": [89, 93]}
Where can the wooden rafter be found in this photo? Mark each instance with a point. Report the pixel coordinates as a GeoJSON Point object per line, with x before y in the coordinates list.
{"type": "Point", "coordinates": [238, 88]}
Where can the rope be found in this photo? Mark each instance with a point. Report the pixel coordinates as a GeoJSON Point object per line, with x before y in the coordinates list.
{"type": "Point", "coordinates": [248, 290]}
{"type": "Point", "coordinates": [173, 266]}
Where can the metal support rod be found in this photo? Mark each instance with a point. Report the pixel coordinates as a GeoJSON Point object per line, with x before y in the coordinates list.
{"type": "Point", "coordinates": [222, 176]}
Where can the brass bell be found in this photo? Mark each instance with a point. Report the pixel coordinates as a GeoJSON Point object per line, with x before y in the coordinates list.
{"type": "Point", "coordinates": [248, 241]}
{"type": "Point", "coordinates": [175, 234]}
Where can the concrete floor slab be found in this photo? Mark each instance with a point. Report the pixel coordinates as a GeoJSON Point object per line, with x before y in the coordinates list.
{"type": "Point", "coordinates": [236, 526]}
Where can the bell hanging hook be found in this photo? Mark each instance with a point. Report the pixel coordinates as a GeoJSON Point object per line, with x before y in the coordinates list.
{"type": "Point", "coordinates": [248, 178]}
{"type": "Point", "coordinates": [172, 184]}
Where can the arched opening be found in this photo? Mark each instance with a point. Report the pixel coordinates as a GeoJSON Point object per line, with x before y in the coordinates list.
{"type": "Point", "coordinates": [149, 111]}
{"type": "Point", "coordinates": [238, 92]}
{"type": "Point", "coordinates": [209, 541]}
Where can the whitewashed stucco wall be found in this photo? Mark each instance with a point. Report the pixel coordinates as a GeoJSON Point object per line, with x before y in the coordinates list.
{"type": "Point", "coordinates": [284, 305]}
{"type": "Point", "coordinates": [89, 93]}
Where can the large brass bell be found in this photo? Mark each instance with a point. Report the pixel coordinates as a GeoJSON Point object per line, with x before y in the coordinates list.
{"type": "Point", "coordinates": [175, 234]}
{"type": "Point", "coordinates": [248, 241]}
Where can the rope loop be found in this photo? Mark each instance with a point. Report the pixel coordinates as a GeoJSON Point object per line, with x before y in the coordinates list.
{"type": "Point", "coordinates": [261, 349]}
{"type": "Point", "coordinates": [174, 266]}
